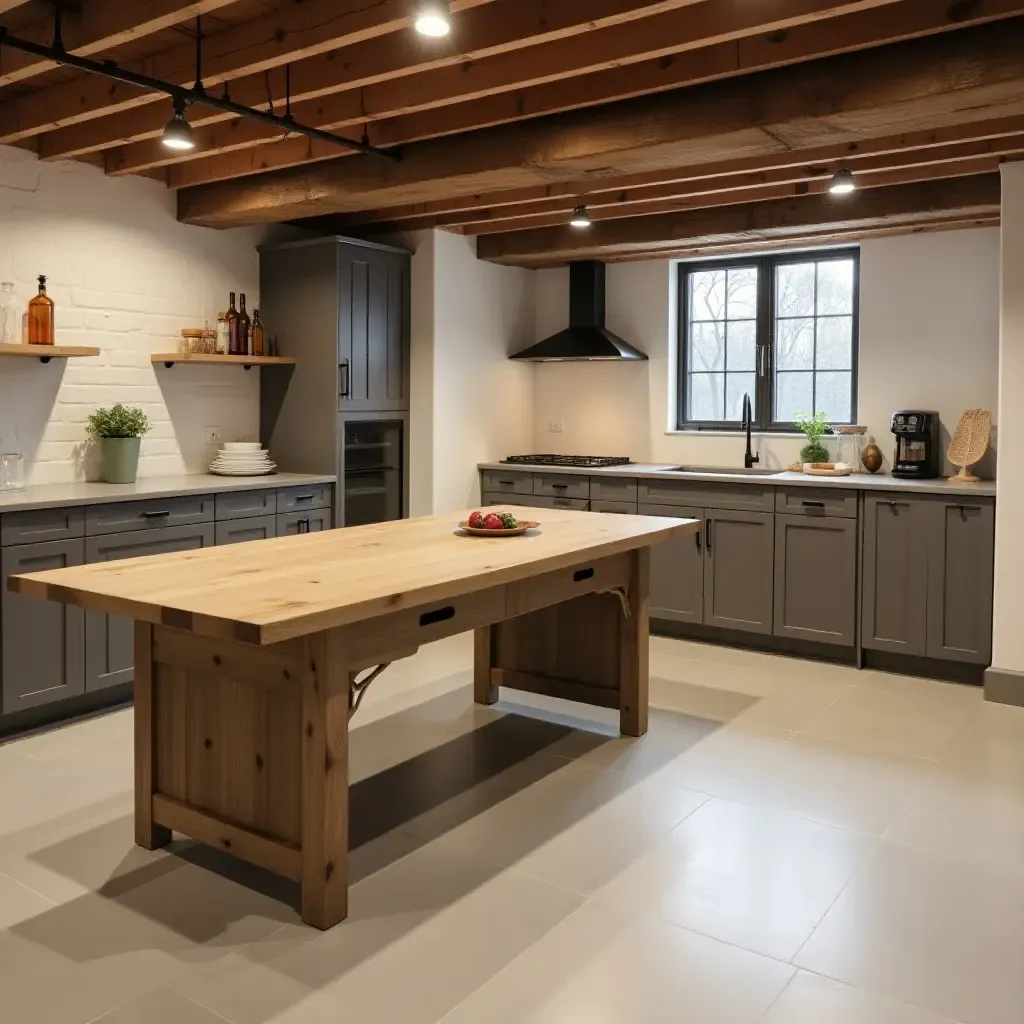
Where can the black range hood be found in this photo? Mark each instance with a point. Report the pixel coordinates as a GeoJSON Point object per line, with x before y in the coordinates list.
{"type": "Point", "coordinates": [586, 337]}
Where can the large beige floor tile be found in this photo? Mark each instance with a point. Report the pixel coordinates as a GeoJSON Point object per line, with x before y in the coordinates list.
{"type": "Point", "coordinates": [603, 966]}
{"type": "Point", "coordinates": [17, 903]}
{"type": "Point", "coordinates": [746, 875]}
{"type": "Point", "coordinates": [940, 934]}
{"type": "Point", "coordinates": [161, 1006]}
{"type": "Point", "coordinates": [88, 734]}
{"type": "Point", "coordinates": [812, 999]}
{"type": "Point", "coordinates": [420, 937]}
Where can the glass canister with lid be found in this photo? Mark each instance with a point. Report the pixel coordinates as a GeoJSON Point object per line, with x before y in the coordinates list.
{"type": "Point", "coordinates": [849, 445]}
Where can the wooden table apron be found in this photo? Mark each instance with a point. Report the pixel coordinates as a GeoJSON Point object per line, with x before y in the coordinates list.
{"type": "Point", "coordinates": [246, 747]}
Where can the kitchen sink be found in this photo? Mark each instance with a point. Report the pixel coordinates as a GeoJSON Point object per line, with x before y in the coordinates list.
{"type": "Point", "coordinates": [728, 470]}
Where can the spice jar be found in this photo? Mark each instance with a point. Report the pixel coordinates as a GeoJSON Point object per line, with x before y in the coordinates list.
{"type": "Point", "coordinates": [191, 340]}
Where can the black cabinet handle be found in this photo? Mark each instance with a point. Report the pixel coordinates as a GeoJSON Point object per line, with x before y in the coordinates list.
{"type": "Point", "coordinates": [708, 525]}
{"type": "Point", "coordinates": [893, 508]}
{"type": "Point", "coordinates": [303, 525]}
{"type": "Point", "coordinates": [507, 483]}
{"type": "Point", "coordinates": [303, 497]}
{"type": "Point", "coordinates": [697, 536]}
{"type": "Point", "coordinates": [812, 504]}
{"type": "Point", "coordinates": [343, 379]}
{"type": "Point", "coordinates": [559, 487]}
{"type": "Point", "coordinates": [157, 515]}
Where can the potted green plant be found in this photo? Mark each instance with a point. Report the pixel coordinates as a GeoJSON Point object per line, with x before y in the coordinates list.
{"type": "Point", "coordinates": [814, 428]}
{"type": "Point", "coordinates": [119, 431]}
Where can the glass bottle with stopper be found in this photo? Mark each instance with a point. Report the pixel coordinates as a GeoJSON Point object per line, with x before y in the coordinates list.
{"type": "Point", "coordinates": [40, 316]}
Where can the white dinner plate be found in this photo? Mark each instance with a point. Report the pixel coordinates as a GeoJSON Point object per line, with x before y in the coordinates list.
{"type": "Point", "coordinates": [239, 472]}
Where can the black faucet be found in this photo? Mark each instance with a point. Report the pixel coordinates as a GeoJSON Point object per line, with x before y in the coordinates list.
{"type": "Point", "coordinates": [749, 458]}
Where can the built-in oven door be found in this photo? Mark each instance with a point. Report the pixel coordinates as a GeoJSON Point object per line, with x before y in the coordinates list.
{"type": "Point", "coordinates": [372, 471]}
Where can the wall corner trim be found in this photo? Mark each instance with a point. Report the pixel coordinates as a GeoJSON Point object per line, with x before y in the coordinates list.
{"type": "Point", "coordinates": [1004, 686]}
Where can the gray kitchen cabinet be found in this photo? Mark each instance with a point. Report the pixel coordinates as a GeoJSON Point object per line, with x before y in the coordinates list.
{"type": "Point", "coordinates": [625, 508]}
{"type": "Point", "coordinates": [894, 603]}
{"type": "Point", "coordinates": [961, 538]}
{"type": "Point", "coordinates": [739, 569]}
{"type": "Point", "coordinates": [109, 639]}
{"type": "Point", "coordinates": [816, 578]}
{"type": "Point", "coordinates": [43, 641]}
{"type": "Point", "coordinates": [294, 523]}
{"type": "Point", "coordinates": [677, 570]}
{"type": "Point", "coordinates": [237, 531]}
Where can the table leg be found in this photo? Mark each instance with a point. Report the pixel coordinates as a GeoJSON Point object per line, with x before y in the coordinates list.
{"type": "Point", "coordinates": [325, 714]}
{"type": "Point", "coordinates": [484, 692]}
{"type": "Point", "coordinates": [147, 833]}
{"type": "Point", "coordinates": [634, 649]}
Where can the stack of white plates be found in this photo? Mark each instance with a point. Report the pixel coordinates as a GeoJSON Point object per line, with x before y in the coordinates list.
{"type": "Point", "coordinates": [242, 458]}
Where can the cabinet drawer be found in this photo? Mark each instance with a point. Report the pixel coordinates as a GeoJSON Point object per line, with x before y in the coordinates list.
{"type": "Point", "coordinates": [699, 493]}
{"type": "Point", "coordinates": [500, 482]}
{"type": "Point", "coordinates": [580, 504]}
{"type": "Point", "coordinates": [816, 501]}
{"type": "Point", "coordinates": [566, 486]}
{"type": "Point", "coordinates": [612, 488]}
{"type": "Point", "coordinates": [152, 514]}
{"type": "Point", "coordinates": [626, 508]}
{"type": "Point", "coordinates": [143, 542]}
{"type": "Point", "coordinates": [294, 523]}
{"type": "Point", "coordinates": [236, 531]}
{"type": "Point", "coordinates": [41, 525]}
{"type": "Point", "coordinates": [245, 504]}
{"type": "Point", "coordinates": [297, 499]}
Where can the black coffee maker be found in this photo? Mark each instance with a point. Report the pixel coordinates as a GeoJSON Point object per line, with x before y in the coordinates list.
{"type": "Point", "coordinates": [917, 445]}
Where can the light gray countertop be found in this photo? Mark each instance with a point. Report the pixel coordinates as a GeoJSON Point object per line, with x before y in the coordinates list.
{"type": "Point", "coordinates": [82, 493]}
{"type": "Point", "coordinates": [856, 481]}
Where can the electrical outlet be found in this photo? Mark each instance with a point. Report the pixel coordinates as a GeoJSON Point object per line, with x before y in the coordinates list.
{"type": "Point", "coordinates": [213, 435]}
{"type": "Point", "coordinates": [554, 426]}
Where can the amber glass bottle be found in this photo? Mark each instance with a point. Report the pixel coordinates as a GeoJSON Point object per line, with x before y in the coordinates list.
{"type": "Point", "coordinates": [232, 315]}
{"type": "Point", "coordinates": [256, 347]}
{"type": "Point", "coordinates": [244, 327]}
{"type": "Point", "coordinates": [40, 316]}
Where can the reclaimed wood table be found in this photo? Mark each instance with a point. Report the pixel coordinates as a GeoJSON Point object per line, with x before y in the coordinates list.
{"type": "Point", "coordinates": [250, 660]}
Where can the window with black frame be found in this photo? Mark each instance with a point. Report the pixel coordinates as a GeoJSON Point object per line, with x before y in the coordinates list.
{"type": "Point", "coordinates": [782, 329]}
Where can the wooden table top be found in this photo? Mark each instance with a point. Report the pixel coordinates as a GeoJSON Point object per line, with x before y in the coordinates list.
{"type": "Point", "coordinates": [263, 592]}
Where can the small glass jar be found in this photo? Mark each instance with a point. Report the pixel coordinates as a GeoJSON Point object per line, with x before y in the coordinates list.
{"type": "Point", "coordinates": [12, 472]}
{"type": "Point", "coordinates": [10, 320]}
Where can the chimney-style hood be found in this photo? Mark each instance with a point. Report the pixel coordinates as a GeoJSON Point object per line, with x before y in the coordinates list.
{"type": "Point", "coordinates": [586, 336]}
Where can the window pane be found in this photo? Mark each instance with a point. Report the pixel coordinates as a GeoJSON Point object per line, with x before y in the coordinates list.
{"type": "Point", "coordinates": [793, 395]}
{"type": "Point", "coordinates": [707, 347]}
{"type": "Point", "coordinates": [736, 385]}
{"type": "Point", "coordinates": [707, 396]}
{"type": "Point", "coordinates": [835, 287]}
{"type": "Point", "coordinates": [707, 295]}
{"type": "Point", "coordinates": [742, 294]}
{"type": "Point", "coordinates": [835, 343]}
{"type": "Point", "coordinates": [794, 344]}
{"type": "Point", "coordinates": [794, 289]}
{"type": "Point", "coordinates": [833, 392]}
{"type": "Point", "coordinates": [742, 340]}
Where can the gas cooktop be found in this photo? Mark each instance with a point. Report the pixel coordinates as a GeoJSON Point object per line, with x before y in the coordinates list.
{"type": "Point", "coordinates": [577, 461]}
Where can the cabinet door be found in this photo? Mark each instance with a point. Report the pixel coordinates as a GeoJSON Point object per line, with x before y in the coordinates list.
{"type": "Point", "coordinates": [43, 641]}
{"type": "Point", "coordinates": [895, 575]}
{"type": "Point", "coordinates": [237, 531]}
{"type": "Point", "coordinates": [816, 578]}
{"type": "Point", "coordinates": [738, 570]}
{"type": "Point", "coordinates": [373, 329]}
{"type": "Point", "coordinates": [961, 539]}
{"type": "Point", "coordinates": [677, 569]}
{"type": "Point", "coordinates": [109, 639]}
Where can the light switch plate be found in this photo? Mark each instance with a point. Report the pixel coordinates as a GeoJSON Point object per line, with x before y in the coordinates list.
{"type": "Point", "coordinates": [554, 426]}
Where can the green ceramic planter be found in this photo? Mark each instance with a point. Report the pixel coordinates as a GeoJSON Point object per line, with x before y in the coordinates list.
{"type": "Point", "coordinates": [120, 459]}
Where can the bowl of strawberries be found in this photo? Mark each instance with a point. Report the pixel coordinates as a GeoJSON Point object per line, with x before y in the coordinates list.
{"type": "Point", "coordinates": [496, 524]}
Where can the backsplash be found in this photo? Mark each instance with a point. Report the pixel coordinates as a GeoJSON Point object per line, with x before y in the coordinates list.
{"type": "Point", "coordinates": [125, 277]}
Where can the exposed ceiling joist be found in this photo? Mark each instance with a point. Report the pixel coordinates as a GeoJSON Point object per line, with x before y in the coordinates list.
{"type": "Point", "coordinates": [500, 28]}
{"type": "Point", "coordinates": [759, 222]}
{"type": "Point", "coordinates": [907, 19]}
{"type": "Point", "coordinates": [942, 80]}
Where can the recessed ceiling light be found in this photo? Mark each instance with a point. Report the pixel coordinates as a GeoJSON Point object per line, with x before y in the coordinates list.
{"type": "Point", "coordinates": [177, 131]}
{"type": "Point", "coordinates": [580, 217]}
{"type": "Point", "coordinates": [842, 183]}
{"type": "Point", "coordinates": [434, 19]}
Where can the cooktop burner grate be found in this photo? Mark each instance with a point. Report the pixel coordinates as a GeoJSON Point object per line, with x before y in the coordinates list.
{"type": "Point", "coordinates": [576, 461]}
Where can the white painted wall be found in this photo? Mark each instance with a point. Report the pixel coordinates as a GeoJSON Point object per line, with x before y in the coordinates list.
{"type": "Point", "coordinates": [1008, 636]}
{"type": "Point", "coordinates": [126, 277]}
{"type": "Point", "coordinates": [928, 338]}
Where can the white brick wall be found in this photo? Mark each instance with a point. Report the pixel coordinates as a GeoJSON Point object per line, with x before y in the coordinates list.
{"type": "Point", "coordinates": [126, 277]}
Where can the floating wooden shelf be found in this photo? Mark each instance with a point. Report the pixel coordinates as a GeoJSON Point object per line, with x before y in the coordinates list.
{"type": "Point", "coordinates": [208, 359]}
{"type": "Point", "coordinates": [44, 353]}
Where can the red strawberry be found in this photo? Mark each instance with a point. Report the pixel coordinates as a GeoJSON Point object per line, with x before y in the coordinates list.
{"type": "Point", "coordinates": [493, 522]}
{"type": "Point", "coordinates": [476, 520]}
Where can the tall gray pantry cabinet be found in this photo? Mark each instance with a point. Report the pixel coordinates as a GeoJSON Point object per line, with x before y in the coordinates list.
{"type": "Point", "coordinates": [341, 307]}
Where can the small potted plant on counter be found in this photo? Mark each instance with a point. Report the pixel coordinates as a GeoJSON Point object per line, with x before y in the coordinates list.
{"type": "Point", "coordinates": [814, 428]}
{"type": "Point", "coordinates": [119, 431]}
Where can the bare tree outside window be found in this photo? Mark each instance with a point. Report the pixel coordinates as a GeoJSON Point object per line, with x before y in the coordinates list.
{"type": "Point", "coordinates": [781, 329]}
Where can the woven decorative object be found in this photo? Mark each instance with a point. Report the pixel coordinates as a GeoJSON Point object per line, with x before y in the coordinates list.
{"type": "Point", "coordinates": [970, 442]}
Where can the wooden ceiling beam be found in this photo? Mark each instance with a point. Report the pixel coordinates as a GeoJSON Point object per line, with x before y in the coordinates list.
{"type": "Point", "coordinates": [753, 222]}
{"type": "Point", "coordinates": [485, 32]}
{"type": "Point", "coordinates": [942, 80]}
{"type": "Point", "coordinates": [302, 30]}
{"type": "Point", "coordinates": [670, 33]}
{"type": "Point", "coordinates": [100, 26]}
{"type": "Point", "coordinates": [904, 20]}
